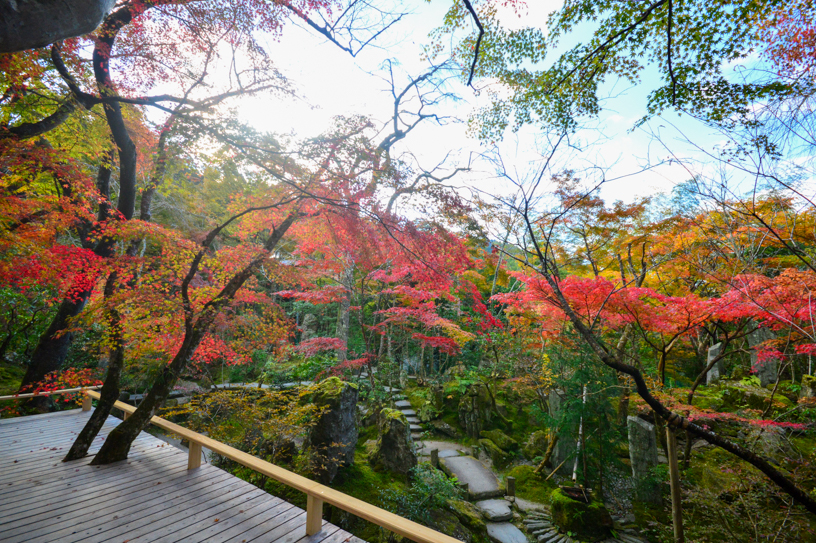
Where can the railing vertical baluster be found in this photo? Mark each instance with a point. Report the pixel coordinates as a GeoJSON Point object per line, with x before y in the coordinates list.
{"type": "Point", "coordinates": [194, 460]}
{"type": "Point", "coordinates": [314, 514]}
{"type": "Point", "coordinates": [86, 402]}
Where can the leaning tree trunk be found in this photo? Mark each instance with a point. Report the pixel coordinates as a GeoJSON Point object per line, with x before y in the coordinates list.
{"type": "Point", "coordinates": [110, 388]}
{"type": "Point", "coordinates": [53, 345]}
{"type": "Point", "coordinates": [52, 348]}
{"type": "Point", "coordinates": [118, 443]}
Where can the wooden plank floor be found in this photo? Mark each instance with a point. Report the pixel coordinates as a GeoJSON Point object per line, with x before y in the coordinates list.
{"type": "Point", "coordinates": [150, 497]}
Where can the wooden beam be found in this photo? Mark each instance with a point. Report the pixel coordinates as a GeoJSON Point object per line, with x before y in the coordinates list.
{"type": "Point", "coordinates": [314, 514]}
{"type": "Point", "coordinates": [46, 393]}
{"type": "Point", "coordinates": [194, 456]}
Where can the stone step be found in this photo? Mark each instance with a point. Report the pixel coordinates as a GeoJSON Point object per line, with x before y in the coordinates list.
{"type": "Point", "coordinates": [416, 437]}
{"type": "Point", "coordinates": [392, 389]}
{"type": "Point", "coordinates": [398, 397]}
{"type": "Point", "coordinates": [403, 403]}
{"type": "Point", "coordinates": [415, 428]}
{"type": "Point", "coordinates": [408, 412]}
{"type": "Point", "coordinates": [413, 420]}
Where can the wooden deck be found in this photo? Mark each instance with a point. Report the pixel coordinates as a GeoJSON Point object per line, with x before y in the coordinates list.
{"type": "Point", "coordinates": [151, 497]}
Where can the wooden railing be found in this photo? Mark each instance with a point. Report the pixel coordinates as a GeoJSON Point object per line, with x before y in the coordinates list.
{"type": "Point", "coordinates": [52, 393]}
{"type": "Point", "coordinates": [316, 494]}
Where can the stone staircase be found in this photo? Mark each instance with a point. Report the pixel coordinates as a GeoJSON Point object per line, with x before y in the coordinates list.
{"type": "Point", "coordinates": [539, 524]}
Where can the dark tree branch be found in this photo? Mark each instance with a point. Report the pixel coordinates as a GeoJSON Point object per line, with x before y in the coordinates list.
{"type": "Point", "coordinates": [669, 54]}
{"type": "Point", "coordinates": [478, 40]}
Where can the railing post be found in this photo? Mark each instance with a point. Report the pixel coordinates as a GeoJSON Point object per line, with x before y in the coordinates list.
{"type": "Point", "coordinates": [314, 514]}
{"type": "Point", "coordinates": [511, 487]}
{"type": "Point", "coordinates": [86, 402]}
{"type": "Point", "coordinates": [435, 458]}
{"type": "Point", "coordinates": [125, 415]}
{"type": "Point", "coordinates": [194, 458]}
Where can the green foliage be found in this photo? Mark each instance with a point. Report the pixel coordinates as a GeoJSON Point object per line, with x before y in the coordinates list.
{"type": "Point", "coordinates": [430, 490]}
{"type": "Point", "coordinates": [530, 485]}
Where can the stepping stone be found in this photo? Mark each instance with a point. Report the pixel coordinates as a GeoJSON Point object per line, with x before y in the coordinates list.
{"type": "Point", "coordinates": [482, 484]}
{"type": "Point", "coordinates": [403, 403]}
{"type": "Point", "coordinates": [415, 427]}
{"type": "Point", "coordinates": [416, 437]}
{"type": "Point", "coordinates": [391, 389]}
{"type": "Point", "coordinates": [448, 454]}
{"type": "Point", "coordinates": [504, 532]}
{"type": "Point", "coordinates": [495, 510]}
{"type": "Point", "coordinates": [408, 412]}
{"type": "Point", "coordinates": [547, 538]}
{"type": "Point", "coordinates": [413, 420]}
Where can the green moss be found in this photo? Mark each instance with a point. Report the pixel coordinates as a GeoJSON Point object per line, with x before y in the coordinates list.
{"type": "Point", "coordinates": [499, 457]}
{"type": "Point", "coordinates": [392, 414]}
{"type": "Point", "coordinates": [588, 521]}
{"type": "Point", "coordinates": [330, 389]}
{"type": "Point", "coordinates": [531, 486]}
{"type": "Point", "coordinates": [502, 440]}
{"type": "Point", "coordinates": [470, 517]}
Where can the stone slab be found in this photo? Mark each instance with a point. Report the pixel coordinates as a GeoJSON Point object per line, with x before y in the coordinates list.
{"type": "Point", "coordinates": [402, 403]}
{"type": "Point", "coordinates": [495, 510]}
{"type": "Point", "coordinates": [504, 532]}
{"type": "Point", "coordinates": [408, 412]}
{"type": "Point", "coordinates": [448, 454]}
{"type": "Point", "coordinates": [482, 484]}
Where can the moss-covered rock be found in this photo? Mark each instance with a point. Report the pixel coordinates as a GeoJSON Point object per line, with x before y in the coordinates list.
{"type": "Point", "coordinates": [530, 485]}
{"type": "Point", "coordinates": [502, 440]}
{"type": "Point", "coordinates": [500, 458]}
{"type": "Point", "coordinates": [808, 389]}
{"type": "Point", "coordinates": [536, 445]}
{"type": "Point", "coordinates": [475, 410]}
{"type": "Point", "coordinates": [394, 450]}
{"type": "Point", "coordinates": [470, 517]}
{"type": "Point", "coordinates": [333, 437]}
{"type": "Point", "coordinates": [443, 521]}
{"type": "Point", "coordinates": [741, 395]}
{"type": "Point", "coordinates": [588, 521]}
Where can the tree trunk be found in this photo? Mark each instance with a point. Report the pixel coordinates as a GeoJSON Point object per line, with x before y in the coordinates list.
{"type": "Point", "coordinates": [117, 445]}
{"type": "Point", "coordinates": [110, 388]}
{"type": "Point", "coordinates": [344, 315]}
{"type": "Point", "coordinates": [674, 479]}
{"type": "Point", "coordinates": [52, 348]}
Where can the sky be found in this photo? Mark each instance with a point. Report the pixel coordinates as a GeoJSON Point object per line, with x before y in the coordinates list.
{"type": "Point", "coordinates": [330, 82]}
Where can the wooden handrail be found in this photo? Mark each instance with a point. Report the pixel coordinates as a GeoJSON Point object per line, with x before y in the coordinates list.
{"type": "Point", "coordinates": [316, 493]}
{"type": "Point", "coordinates": [47, 393]}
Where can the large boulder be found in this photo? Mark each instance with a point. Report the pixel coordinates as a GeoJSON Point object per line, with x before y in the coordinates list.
{"type": "Point", "coordinates": [394, 450]}
{"type": "Point", "coordinates": [808, 389]}
{"type": "Point", "coordinates": [502, 440]}
{"type": "Point", "coordinates": [333, 437]}
{"type": "Point", "coordinates": [536, 445]}
{"type": "Point", "coordinates": [499, 457]}
{"type": "Point", "coordinates": [475, 410]}
{"type": "Point", "coordinates": [589, 521]}
{"type": "Point", "coordinates": [26, 24]}
{"type": "Point", "coordinates": [643, 457]}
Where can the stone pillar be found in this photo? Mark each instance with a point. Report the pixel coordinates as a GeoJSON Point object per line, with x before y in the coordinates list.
{"type": "Point", "coordinates": [566, 438]}
{"type": "Point", "coordinates": [718, 369]}
{"type": "Point", "coordinates": [808, 389]}
{"type": "Point", "coordinates": [643, 456]}
{"type": "Point", "coordinates": [333, 437]}
{"type": "Point", "coordinates": [766, 370]}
